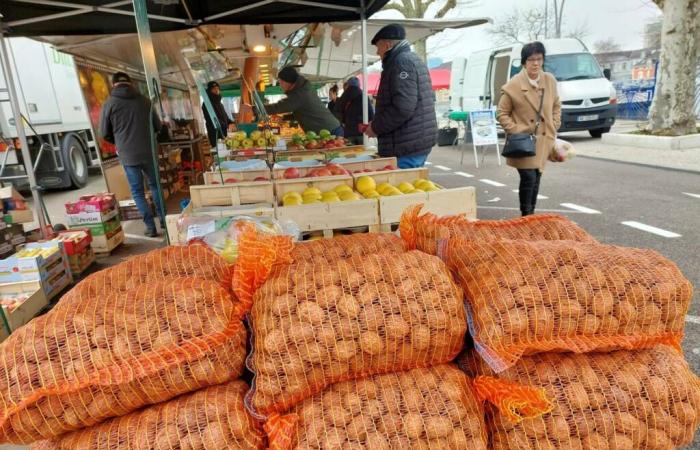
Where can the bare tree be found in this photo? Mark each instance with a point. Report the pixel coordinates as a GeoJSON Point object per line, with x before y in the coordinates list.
{"type": "Point", "coordinates": [531, 24]}
{"type": "Point", "coordinates": [608, 45]}
{"type": "Point", "coordinates": [672, 110]}
{"type": "Point", "coordinates": [418, 9]}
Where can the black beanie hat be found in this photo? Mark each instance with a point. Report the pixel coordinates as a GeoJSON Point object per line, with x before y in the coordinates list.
{"type": "Point", "coordinates": [393, 31]}
{"type": "Point", "coordinates": [288, 74]}
{"type": "Point", "coordinates": [211, 85]}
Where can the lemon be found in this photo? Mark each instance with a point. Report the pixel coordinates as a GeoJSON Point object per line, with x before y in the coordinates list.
{"type": "Point", "coordinates": [291, 194]}
{"type": "Point", "coordinates": [429, 186]}
{"type": "Point", "coordinates": [330, 197]}
{"type": "Point", "coordinates": [310, 200]}
{"type": "Point", "coordinates": [348, 196]}
{"type": "Point", "coordinates": [291, 201]}
{"type": "Point", "coordinates": [420, 183]}
{"type": "Point", "coordinates": [417, 191]}
{"type": "Point", "coordinates": [311, 191]}
{"type": "Point", "coordinates": [342, 188]}
{"type": "Point", "coordinates": [371, 194]}
{"type": "Point", "coordinates": [405, 187]}
{"type": "Point", "coordinates": [366, 184]}
{"type": "Point", "coordinates": [383, 187]}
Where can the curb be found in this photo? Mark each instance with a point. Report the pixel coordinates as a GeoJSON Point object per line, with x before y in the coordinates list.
{"type": "Point", "coordinates": [634, 163]}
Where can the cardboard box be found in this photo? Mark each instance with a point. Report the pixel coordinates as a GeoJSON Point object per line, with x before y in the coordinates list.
{"type": "Point", "coordinates": [107, 243]}
{"type": "Point", "coordinates": [75, 241]}
{"type": "Point", "coordinates": [33, 264]}
{"type": "Point", "coordinates": [19, 216]}
{"type": "Point", "coordinates": [34, 301]}
{"type": "Point", "coordinates": [101, 202]}
{"type": "Point", "coordinates": [91, 218]}
{"type": "Point", "coordinates": [102, 229]}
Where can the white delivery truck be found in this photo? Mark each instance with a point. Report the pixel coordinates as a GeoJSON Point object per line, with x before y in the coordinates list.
{"type": "Point", "coordinates": [57, 122]}
{"type": "Point", "coordinates": [588, 98]}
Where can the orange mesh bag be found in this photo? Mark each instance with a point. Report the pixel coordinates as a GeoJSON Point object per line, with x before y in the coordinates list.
{"type": "Point", "coordinates": [318, 324]}
{"type": "Point", "coordinates": [431, 408]}
{"type": "Point", "coordinates": [424, 232]}
{"type": "Point", "coordinates": [211, 419]}
{"type": "Point", "coordinates": [344, 247]}
{"type": "Point", "coordinates": [624, 400]}
{"type": "Point", "coordinates": [530, 297]}
{"type": "Point", "coordinates": [107, 356]}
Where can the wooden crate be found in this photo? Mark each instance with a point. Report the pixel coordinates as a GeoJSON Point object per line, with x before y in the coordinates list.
{"type": "Point", "coordinates": [371, 164]}
{"type": "Point", "coordinates": [104, 247]}
{"type": "Point", "coordinates": [278, 172]}
{"type": "Point", "coordinates": [232, 194]}
{"type": "Point", "coordinates": [256, 210]}
{"type": "Point", "coordinates": [344, 152]}
{"type": "Point", "coordinates": [442, 203]}
{"type": "Point", "coordinates": [28, 309]}
{"type": "Point", "coordinates": [300, 155]}
{"type": "Point", "coordinates": [213, 178]}
{"type": "Point", "coordinates": [299, 184]}
{"type": "Point", "coordinates": [394, 177]}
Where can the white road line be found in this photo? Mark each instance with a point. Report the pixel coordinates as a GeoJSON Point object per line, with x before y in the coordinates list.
{"type": "Point", "coordinates": [692, 195]}
{"type": "Point", "coordinates": [446, 169]}
{"type": "Point", "coordinates": [539, 196]}
{"type": "Point", "coordinates": [692, 319]}
{"type": "Point", "coordinates": [491, 182]}
{"type": "Point", "coordinates": [428, 163]}
{"type": "Point", "coordinates": [650, 229]}
{"type": "Point", "coordinates": [464, 174]}
{"type": "Point", "coordinates": [144, 238]}
{"type": "Point", "coordinates": [579, 208]}
{"type": "Point", "coordinates": [538, 210]}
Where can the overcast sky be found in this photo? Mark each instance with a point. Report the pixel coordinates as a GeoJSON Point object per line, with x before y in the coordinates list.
{"type": "Point", "coordinates": [622, 20]}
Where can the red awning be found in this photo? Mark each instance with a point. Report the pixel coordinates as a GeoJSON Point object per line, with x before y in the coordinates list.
{"type": "Point", "coordinates": [440, 79]}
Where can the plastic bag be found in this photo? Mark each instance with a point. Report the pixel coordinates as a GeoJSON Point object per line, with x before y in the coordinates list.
{"type": "Point", "coordinates": [344, 247]}
{"type": "Point", "coordinates": [532, 297]}
{"type": "Point", "coordinates": [424, 232]}
{"type": "Point", "coordinates": [211, 419]}
{"type": "Point", "coordinates": [625, 400]}
{"type": "Point", "coordinates": [432, 408]}
{"type": "Point", "coordinates": [562, 151]}
{"type": "Point", "coordinates": [105, 356]}
{"type": "Point", "coordinates": [315, 324]}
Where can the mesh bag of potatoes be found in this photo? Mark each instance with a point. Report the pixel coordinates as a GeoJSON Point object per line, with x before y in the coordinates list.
{"type": "Point", "coordinates": [424, 232]}
{"type": "Point", "coordinates": [344, 247]}
{"type": "Point", "coordinates": [624, 400]}
{"type": "Point", "coordinates": [107, 356]}
{"type": "Point", "coordinates": [210, 419]}
{"type": "Point", "coordinates": [529, 297]}
{"type": "Point", "coordinates": [425, 408]}
{"type": "Point", "coordinates": [317, 324]}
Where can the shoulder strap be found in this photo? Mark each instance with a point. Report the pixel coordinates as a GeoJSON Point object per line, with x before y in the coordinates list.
{"type": "Point", "coordinates": [539, 113]}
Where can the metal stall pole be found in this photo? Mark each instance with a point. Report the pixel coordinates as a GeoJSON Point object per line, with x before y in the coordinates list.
{"type": "Point", "coordinates": [150, 68]}
{"type": "Point", "coordinates": [365, 78]}
{"type": "Point", "coordinates": [19, 126]}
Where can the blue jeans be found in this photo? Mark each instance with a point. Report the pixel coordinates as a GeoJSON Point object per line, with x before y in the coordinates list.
{"type": "Point", "coordinates": [411, 162]}
{"type": "Point", "coordinates": [134, 175]}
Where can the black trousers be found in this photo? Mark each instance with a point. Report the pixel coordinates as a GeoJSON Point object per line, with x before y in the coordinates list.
{"type": "Point", "coordinates": [529, 187]}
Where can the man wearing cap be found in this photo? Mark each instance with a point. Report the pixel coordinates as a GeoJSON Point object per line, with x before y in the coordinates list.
{"type": "Point", "coordinates": [214, 94]}
{"type": "Point", "coordinates": [404, 119]}
{"type": "Point", "coordinates": [303, 103]}
{"type": "Point", "coordinates": [125, 123]}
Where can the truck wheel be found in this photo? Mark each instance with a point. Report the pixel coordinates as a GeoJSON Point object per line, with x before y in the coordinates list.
{"type": "Point", "coordinates": [75, 161]}
{"type": "Point", "coordinates": [599, 132]}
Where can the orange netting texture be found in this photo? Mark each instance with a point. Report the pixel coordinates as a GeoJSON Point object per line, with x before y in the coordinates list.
{"type": "Point", "coordinates": [211, 419]}
{"type": "Point", "coordinates": [344, 247]}
{"type": "Point", "coordinates": [110, 354]}
{"type": "Point", "coordinates": [424, 232]}
{"type": "Point", "coordinates": [530, 297]}
{"type": "Point", "coordinates": [318, 324]}
{"type": "Point", "coordinates": [431, 408]}
{"type": "Point", "coordinates": [625, 400]}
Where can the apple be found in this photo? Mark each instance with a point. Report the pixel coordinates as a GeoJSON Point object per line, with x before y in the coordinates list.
{"type": "Point", "coordinates": [312, 145]}
{"type": "Point", "coordinates": [261, 179]}
{"type": "Point", "coordinates": [336, 169]}
{"type": "Point", "coordinates": [389, 167]}
{"type": "Point", "coordinates": [291, 172]}
{"type": "Point", "coordinates": [322, 173]}
{"type": "Point", "coordinates": [230, 180]}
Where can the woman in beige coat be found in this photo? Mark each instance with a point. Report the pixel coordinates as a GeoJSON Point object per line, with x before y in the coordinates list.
{"type": "Point", "coordinates": [517, 113]}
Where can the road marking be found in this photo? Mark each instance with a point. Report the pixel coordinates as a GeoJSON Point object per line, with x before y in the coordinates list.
{"type": "Point", "coordinates": [428, 163]}
{"type": "Point", "coordinates": [692, 319]}
{"type": "Point", "coordinates": [650, 229]}
{"type": "Point", "coordinates": [580, 208]}
{"type": "Point", "coordinates": [144, 238]}
{"type": "Point", "coordinates": [446, 169]}
{"type": "Point", "coordinates": [692, 195]}
{"type": "Point", "coordinates": [539, 196]}
{"type": "Point", "coordinates": [464, 174]}
{"type": "Point", "coordinates": [509, 208]}
{"type": "Point", "coordinates": [491, 182]}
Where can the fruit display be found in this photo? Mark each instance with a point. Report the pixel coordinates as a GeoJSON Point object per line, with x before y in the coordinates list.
{"type": "Point", "coordinates": [257, 139]}
{"type": "Point", "coordinates": [311, 195]}
{"type": "Point", "coordinates": [422, 232]}
{"type": "Point", "coordinates": [345, 247]}
{"type": "Point", "coordinates": [623, 400]}
{"type": "Point", "coordinates": [312, 141]}
{"type": "Point", "coordinates": [213, 418]}
{"type": "Point", "coordinates": [317, 324]}
{"type": "Point", "coordinates": [431, 408]}
{"type": "Point", "coordinates": [383, 169]}
{"type": "Point", "coordinates": [369, 188]}
{"type": "Point", "coordinates": [530, 297]}
{"type": "Point", "coordinates": [103, 356]}
{"type": "Point", "coordinates": [326, 170]}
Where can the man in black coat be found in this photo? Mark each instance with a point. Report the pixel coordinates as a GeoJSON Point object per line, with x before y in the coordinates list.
{"type": "Point", "coordinates": [214, 94]}
{"type": "Point", "coordinates": [350, 109]}
{"type": "Point", "coordinates": [404, 122]}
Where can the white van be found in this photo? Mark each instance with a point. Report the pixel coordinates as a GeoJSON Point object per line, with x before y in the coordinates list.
{"type": "Point", "coordinates": [588, 98]}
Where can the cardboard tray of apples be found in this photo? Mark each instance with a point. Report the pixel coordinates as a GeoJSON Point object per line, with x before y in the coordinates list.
{"type": "Point", "coordinates": [312, 141]}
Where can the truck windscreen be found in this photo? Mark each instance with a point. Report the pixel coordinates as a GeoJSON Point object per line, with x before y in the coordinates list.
{"type": "Point", "coordinates": [574, 66]}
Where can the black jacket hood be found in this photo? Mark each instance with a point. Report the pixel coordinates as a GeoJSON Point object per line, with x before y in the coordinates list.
{"type": "Point", "coordinates": [124, 91]}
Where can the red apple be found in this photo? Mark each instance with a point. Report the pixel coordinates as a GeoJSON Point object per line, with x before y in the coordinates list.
{"type": "Point", "coordinates": [322, 173]}
{"type": "Point", "coordinates": [311, 145]}
{"type": "Point", "coordinates": [291, 172]}
{"type": "Point", "coordinates": [230, 180]}
{"type": "Point", "coordinates": [261, 179]}
{"type": "Point", "coordinates": [335, 169]}
{"type": "Point", "coordinates": [389, 167]}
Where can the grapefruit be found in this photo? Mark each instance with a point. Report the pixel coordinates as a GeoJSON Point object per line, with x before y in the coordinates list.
{"type": "Point", "coordinates": [366, 184]}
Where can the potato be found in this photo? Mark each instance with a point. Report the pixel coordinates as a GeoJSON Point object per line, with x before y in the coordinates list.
{"type": "Point", "coordinates": [371, 343]}
{"type": "Point", "coordinates": [311, 313]}
{"type": "Point", "coordinates": [348, 307]}
{"type": "Point", "coordinates": [395, 327]}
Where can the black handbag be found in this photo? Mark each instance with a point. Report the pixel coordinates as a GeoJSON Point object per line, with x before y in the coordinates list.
{"type": "Point", "coordinates": [523, 145]}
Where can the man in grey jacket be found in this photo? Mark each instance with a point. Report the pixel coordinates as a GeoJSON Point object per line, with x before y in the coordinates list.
{"type": "Point", "coordinates": [125, 122]}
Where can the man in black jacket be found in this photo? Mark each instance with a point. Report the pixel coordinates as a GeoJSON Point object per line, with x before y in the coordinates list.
{"type": "Point", "coordinates": [214, 94]}
{"type": "Point", "coordinates": [350, 109]}
{"type": "Point", "coordinates": [125, 123]}
{"type": "Point", "coordinates": [404, 121]}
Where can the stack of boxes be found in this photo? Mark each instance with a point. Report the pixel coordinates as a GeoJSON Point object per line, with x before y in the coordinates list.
{"type": "Point", "coordinates": [43, 262]}
{"type": "Point", "coordinates": [14, 208]}
{"type": "Point", "coordinates": [100, 215]}
{"type": "Point", "coordinates": [11, 238]}
{"type": "Point", "coordinates": [78, 250]}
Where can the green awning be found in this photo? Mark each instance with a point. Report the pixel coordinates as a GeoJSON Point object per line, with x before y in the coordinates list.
{"type": "Point", "coordinates": [234, 90]}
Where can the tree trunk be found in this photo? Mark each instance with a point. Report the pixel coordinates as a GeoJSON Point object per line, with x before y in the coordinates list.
{"type": "Point", "coordinates": [419, 47]}
{"type": "Point", "coordinates": [672, 109]}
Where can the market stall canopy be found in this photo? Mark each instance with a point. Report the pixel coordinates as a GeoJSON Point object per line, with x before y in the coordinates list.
{"type": "Point", "coordinates": [104, 17]}
{"type": "Point", "coordinates": [335, 49]}
{"type": "Point", "coordinates": [440, 79]}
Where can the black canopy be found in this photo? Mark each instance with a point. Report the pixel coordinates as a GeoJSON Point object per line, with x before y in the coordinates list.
{"type": "Point", "coordinates": [86, 17]}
